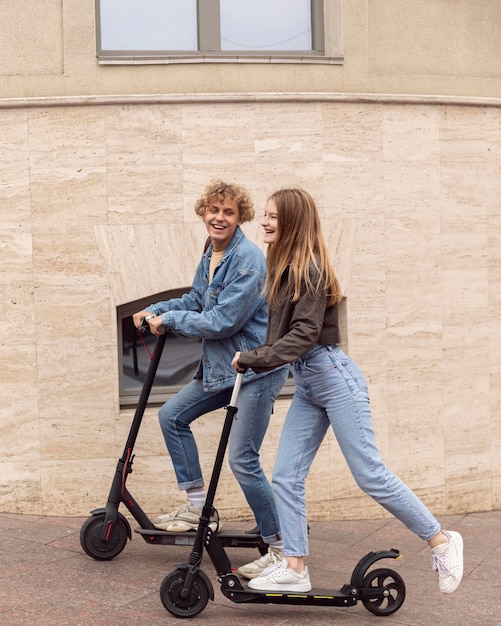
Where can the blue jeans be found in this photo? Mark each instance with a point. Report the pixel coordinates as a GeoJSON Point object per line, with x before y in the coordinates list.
{"type": "Point", "coordinates": [255, 404]}
{"type": "Point", "coordinates": [331, 389]}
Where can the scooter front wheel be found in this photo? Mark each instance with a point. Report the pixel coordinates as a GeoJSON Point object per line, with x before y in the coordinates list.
{"type": "Point", "coordinates": [173, 600]}
{"type": "Point", "coordinates": [391, 591]}
{"type": "Point", "coordinates": [94, 546]}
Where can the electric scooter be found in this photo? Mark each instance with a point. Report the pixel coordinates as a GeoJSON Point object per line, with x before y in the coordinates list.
{"type": "Point", "coordinates": [186, 591]}
{"type": "Point", "coordinates": [105, 533]}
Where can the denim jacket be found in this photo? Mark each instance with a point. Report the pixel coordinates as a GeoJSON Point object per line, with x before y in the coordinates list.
{"type": "Point", "coordinates": [229, 315]}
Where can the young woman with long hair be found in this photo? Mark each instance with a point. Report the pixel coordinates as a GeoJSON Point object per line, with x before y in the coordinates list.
{"type": "Point", "coordinates": [303, 297]}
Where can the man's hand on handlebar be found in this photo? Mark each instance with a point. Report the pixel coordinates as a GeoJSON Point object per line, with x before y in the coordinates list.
{"type": "Point", "coordinates": [142, 319]}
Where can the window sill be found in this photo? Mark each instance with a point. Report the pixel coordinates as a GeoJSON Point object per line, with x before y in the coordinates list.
{"type": "Point", "coordinates": [152, 59]}
{"type": "Point", "coordinates": [160, 395]}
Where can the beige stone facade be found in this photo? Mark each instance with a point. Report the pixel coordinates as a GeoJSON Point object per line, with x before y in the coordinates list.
{"type": "Point", "coordinates": [403, 154]}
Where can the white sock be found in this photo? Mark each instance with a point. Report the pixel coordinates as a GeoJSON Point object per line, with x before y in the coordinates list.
{"type": "Point", "coordinates": [196, 496]}
{"type": "Point", "coordinates": [278, 545]}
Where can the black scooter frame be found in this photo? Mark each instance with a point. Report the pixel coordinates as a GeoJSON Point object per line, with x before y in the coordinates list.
{"type": "Point", "coordinates": [105, 533]}
{"type": "Point", "coordinates": [186, 591]}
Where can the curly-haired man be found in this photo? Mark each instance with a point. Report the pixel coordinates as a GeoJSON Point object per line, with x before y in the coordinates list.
{"type": "Point", "coordinates": [226, 307]}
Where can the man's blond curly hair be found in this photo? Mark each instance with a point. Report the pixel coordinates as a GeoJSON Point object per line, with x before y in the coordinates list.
{"type": "Point", "coordinates": [220, 191]}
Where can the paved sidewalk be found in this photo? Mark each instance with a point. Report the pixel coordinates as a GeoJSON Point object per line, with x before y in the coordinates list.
{"type": "Point", "coordinates": [46, 579]}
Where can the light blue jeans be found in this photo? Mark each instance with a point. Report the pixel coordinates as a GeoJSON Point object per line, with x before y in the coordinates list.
{"type": "Point", "coordinates": [331, 389]}
{"type": "Point", "coordinates": [255, 404]}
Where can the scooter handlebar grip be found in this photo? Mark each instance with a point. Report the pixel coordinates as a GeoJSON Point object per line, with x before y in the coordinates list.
{"type": "Point", "coordinates": [236, 389]}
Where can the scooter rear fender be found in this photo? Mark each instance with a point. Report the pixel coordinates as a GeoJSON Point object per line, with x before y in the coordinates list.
{"type": "Point", "coordinates": [369, 559]}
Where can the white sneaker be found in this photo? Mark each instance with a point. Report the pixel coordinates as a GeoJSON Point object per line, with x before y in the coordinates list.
{"type": "Point", "coordinates": [183, 519]}
{"type": "Point", "coordinates": [447, 561]}
{"type": "Point", "coordinates": [280, 577]}
{"type": "Point", "coordinates": [257, 567]}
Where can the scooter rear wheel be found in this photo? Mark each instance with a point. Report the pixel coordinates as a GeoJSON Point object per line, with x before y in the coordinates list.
{"type": "Point", "coordinates": [94, 546]}
{"type": "Point", "coordinates": [392, 594]}
{"type": "Point", "coordinates": [175, 603]}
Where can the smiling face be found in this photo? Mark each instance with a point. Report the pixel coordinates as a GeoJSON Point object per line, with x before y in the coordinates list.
{"type": "Point", "coordinates": [221, 218]}
{"type": "Point", "coordinates": [270, 222]}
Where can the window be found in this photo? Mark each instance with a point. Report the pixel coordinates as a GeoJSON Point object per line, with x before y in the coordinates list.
{"type": "Point", "coordinates": [209, 30]}
{"type": "Point", "coordinates": [179, 361]}
{"type": "Point", "coordinates": [180, 356]}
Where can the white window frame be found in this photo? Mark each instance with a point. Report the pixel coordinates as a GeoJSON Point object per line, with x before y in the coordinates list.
{"type": "Point", "coordinates": [326, 30]}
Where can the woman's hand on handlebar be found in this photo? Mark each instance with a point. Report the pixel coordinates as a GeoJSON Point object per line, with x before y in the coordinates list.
{"type": "Point", "coordinates": [235, 364]}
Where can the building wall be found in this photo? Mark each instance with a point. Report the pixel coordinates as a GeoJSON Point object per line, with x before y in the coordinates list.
{"type": "Point", "coordinates": [444, 47]}
{"type": "Point", "coordinates": [97, 211]}
{"type": "Point", "coordinates": [99, 169]}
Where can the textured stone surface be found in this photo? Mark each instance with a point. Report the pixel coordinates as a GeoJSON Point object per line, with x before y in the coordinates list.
{"type": "Point", "coordinates": [96, 211]}
{"type": "Point", "coordinates": [46, 579]}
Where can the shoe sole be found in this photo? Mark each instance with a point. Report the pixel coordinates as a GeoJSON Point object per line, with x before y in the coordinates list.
{"type": "Point", "coordinates": [299, 588]}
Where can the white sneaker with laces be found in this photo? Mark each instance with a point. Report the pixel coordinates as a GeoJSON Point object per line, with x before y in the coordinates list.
{"type": "Point", "coordinates": [447, 561]}
{"type": "Point", "coordinates": [257, 567]}
{"type": "Point", "coordinates": [280, 577]}
{"type": "Point", "coordinates": [183, 519]}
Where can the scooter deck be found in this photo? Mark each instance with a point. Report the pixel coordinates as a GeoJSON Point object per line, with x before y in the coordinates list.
{"type": "Point", "coordinates": [228, 538]}
{"type": "Point", "coordinates": [315, 597]}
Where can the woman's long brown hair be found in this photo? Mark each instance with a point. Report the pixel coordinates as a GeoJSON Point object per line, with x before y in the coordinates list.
{"type": "Point", "coordinates": [298, 243]}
